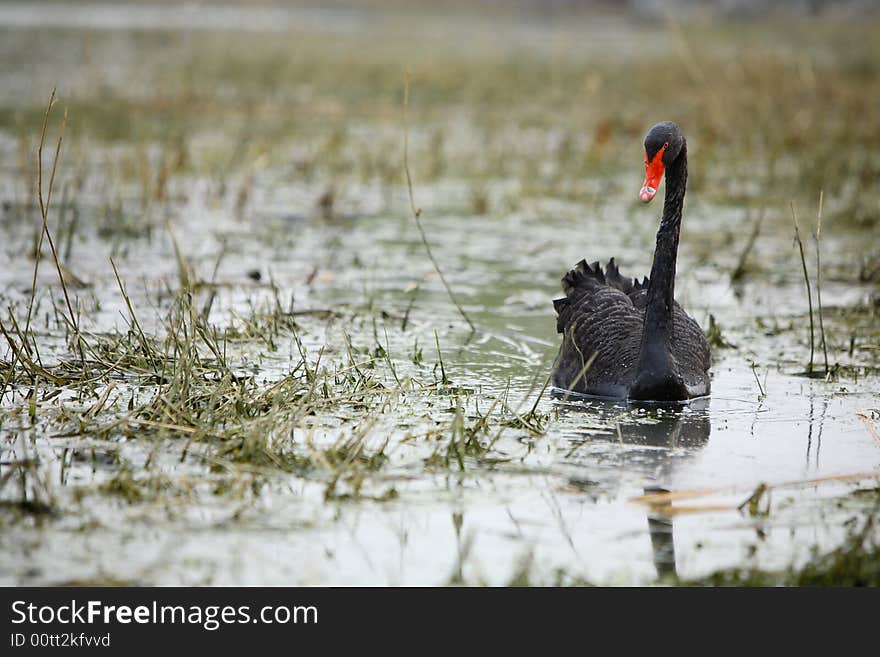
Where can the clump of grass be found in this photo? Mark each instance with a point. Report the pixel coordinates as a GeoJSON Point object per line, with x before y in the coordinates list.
{"type": "Point", "coordinates": [45, 203]}
{"type": "Point", "coordinates": [34, 495]}
{"type": "Point", "coordinates": [134, 489]}
{"type": "Point", "coordinates": [182, 386]}
{"type": "Point", "coordinates": [465, 440]}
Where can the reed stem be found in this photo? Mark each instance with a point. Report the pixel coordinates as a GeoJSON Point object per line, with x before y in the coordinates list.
{"type": "Point", "coordinates": [797, 234]}
{"type": "Point", "coordinates": [819, 281]}
{"type": "Point", "coordinates": [417, 212]}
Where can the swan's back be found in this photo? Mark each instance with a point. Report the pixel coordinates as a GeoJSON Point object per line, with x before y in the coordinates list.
{"type": "Point", "coordinates": [601, 319]}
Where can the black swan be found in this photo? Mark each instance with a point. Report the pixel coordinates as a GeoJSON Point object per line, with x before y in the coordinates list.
{"type": "Point", "coordinates": [627, 339]}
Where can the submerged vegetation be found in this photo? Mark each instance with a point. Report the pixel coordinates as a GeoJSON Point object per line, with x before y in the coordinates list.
{"type": "Point", "coordinates": [229, 355]}
{"type": "Point", "coordinates": [856, 562]}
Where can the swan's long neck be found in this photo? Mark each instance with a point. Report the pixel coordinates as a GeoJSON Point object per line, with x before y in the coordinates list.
{"type": "Point", "coordinates": [658, 328]}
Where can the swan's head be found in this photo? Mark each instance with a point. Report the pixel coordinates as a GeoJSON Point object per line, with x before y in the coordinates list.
{"type": "Point", "coordinates": [663, 144]}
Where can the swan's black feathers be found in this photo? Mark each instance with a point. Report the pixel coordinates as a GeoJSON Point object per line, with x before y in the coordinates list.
{"type": "Point", "coordinates": [583, 276]}
{"type": "Point", "coordinates": [602, 317]}
{"type": "Point", "coordinates": [612, 275]}
{"type": "Point", "coordinates": [617, 343]}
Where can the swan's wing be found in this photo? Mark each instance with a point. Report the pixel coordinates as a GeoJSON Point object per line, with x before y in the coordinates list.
{"type": "Point", "coordinates": [690, 347]}
{"type": "Point", "coordinates": [591, 277]}
{"type": "Point", "coordinates": [598, 321]}
{"type": "Point", "coordinates": [636, 290]}
{"type": "Point", "coordinates": [691, 351]}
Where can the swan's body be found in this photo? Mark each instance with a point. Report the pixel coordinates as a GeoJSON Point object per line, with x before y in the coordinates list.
{"type": "Point", "coordinates": [628, 339]}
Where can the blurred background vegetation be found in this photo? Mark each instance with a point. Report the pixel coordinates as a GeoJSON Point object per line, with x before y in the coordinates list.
{"type": "Point", "coordinates": [778, 99]}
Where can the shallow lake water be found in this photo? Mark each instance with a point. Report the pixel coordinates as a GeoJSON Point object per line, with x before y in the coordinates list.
{"type": "Point", "coordinates": [560, 505]}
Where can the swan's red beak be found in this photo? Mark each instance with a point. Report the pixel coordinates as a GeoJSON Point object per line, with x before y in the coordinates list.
{"type": "Point", "coordinates": [653, 174]}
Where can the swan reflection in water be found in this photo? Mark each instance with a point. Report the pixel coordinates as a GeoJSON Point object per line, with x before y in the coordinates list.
{"type": "Point", "coordinates": [680, 428]}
